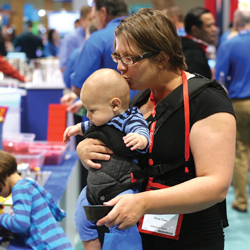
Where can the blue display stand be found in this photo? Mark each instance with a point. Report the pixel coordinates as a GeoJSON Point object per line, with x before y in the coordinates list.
{"type": "Point", "coordinates": [35, 106]}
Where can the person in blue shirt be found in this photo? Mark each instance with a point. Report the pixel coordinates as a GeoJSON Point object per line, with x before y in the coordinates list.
{"type": "Point", "coordinates": [230, 33]}
{"type": "Point", "coordinates": [53, 42]}
{"type": "Point", "coordinates": [105, 95]}
{"type": "Point", "coordinates": [96, 51]}
{"type": "Point", "coordinates": [174, 12]}
{"type": "Point", "coordinates": [71, 64]}
{"type": "Point", "coordinates": [75, 39]}
{"type": "Point", "coordinates": [233, 71]}
{"type": "Point", "coordinates": [35, 214]}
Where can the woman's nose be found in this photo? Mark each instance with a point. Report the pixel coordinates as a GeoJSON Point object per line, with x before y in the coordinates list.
{"type": "Point", "coordinates": [121, 66]}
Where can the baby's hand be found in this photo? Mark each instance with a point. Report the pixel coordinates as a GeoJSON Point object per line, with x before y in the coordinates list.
{"type": "Point", "coordinates": [71, 131]}
{"type": "Point", "coordinates": [136, 141]}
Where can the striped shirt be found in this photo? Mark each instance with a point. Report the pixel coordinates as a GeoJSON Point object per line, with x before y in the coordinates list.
{"type": "Point", "coordinates": [35, 217]}
{"type": "Point", "coordinates": [130, 121]}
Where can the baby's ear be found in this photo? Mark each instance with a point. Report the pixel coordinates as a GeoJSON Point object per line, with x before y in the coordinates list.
{"type": "Point", "coordinates": [115, 103]}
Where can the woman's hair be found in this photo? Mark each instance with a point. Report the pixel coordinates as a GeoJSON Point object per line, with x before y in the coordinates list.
{"type": "Point", "coordinates": [152, 31]}
{"type": "Point", "coordinates": [50, 35]}
{"type": "Point", "coordinates": [8, 166]}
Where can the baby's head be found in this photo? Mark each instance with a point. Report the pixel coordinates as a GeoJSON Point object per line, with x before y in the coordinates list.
{"type": "Point", "coordinates": [105, 94]}
{"type": "Point", "coordinates": [8, 166]}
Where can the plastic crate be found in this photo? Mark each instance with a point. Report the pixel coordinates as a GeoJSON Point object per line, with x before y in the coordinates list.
{"type": "Point", "coordinates": [18, 143]}
{"type": "Point", "coordinates": [54, 151]}
{"type": "Point", "coordinates": [34, 159]}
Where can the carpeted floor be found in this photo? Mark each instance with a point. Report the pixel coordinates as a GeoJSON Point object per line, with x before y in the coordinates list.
{"type": "Point", "coordinates": [238, 232]}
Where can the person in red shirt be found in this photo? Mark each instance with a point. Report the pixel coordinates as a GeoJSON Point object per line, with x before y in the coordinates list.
{"type": "Point", "coordinates": [9, 70]}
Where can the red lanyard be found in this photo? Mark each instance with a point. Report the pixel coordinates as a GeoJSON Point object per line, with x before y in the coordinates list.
{"type": "Point", "coordinates": [187, 122]}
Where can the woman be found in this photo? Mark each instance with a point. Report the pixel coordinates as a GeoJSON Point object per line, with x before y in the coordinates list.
{"type": "Point", "coordinates": [198, 189]}
{"type": "Point", "coordinates": [53, 42]}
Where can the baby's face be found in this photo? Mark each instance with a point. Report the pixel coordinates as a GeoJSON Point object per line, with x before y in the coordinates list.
{"type": "Point", "coordinates": [99, 111]}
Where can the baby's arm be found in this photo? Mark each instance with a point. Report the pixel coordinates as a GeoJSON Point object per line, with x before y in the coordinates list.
{"type": "Point", "coordinates": [135, 140]}
{"type": "Point", "coordinates": [137, 132]}
{"type": "Point", "coordinates": [72, 131]}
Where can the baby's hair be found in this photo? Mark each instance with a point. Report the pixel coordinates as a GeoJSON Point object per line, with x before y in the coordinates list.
{"type": "Point", "coordinates": [8, 166]}
{"type": "Point", "coordinates": [110, 82]}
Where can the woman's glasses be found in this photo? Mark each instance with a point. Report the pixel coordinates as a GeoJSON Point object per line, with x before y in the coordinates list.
{"type": "Point", "coordinates": [132, 59]}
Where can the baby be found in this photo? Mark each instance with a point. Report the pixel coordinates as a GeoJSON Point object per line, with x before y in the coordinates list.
{"type": "Point", "coordinates": [36, 215]}
{"type": "Point", "coordinates": [105, 95]}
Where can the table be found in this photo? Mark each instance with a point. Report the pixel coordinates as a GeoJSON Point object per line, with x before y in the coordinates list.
{"type": "Point", "coordinates": [63, 185]}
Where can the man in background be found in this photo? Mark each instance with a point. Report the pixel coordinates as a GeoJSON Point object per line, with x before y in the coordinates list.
{"type": "Point", "coordinates": [175, 13]}
{"type": "Point", "coordinates": [75, 39]}
{"type": "Point", "coordinates": [29, 43]}
{"type": "Point", "coordinates": [77, 23]}
{"type": "Point", "coordinates": [233, 71]}
{"type": "Point", "coordinates": [201, 32]}
{"type": "Point", "coordinates": [96, 52]}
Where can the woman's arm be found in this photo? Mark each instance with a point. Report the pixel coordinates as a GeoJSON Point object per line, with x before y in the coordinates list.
{"type": "Point", "coordinates": [212, 142]}
{"type": "Point", "coordinates": [92, 149]}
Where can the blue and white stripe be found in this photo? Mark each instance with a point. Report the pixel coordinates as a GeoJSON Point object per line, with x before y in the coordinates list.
{"type": "Point", "coordinates": [35, 217]}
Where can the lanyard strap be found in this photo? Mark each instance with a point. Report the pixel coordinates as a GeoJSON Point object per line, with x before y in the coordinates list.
{"type": "Point", "coordinates": [151, 131]}
{"type": "Point", "coordinates": [187, 123]}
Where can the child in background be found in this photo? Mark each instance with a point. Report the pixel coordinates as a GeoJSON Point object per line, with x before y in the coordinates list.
{"type": "Point", "coordinates": [106, 95]}
{"type": "Point", "coordinates": [35, 213]}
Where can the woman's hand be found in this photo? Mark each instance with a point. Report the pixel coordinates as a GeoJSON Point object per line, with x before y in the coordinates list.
{"type": "Point", "coordinates": [128, 210]}
{"type": "Point", "coordinates": [92, 149]}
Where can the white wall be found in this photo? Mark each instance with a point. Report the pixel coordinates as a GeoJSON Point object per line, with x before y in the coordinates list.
{"type": "Point", "coordinates": [77, 4]}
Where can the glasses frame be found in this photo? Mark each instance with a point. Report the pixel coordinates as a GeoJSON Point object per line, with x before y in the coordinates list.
{"type": "Point", "coordinates": [133, 58]}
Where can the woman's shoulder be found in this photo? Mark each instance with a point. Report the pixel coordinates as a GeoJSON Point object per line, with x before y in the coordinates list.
{"type": "Point", "coordinates": [210, 100]}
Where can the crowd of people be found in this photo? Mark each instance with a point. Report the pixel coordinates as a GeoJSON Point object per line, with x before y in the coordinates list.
{"type": "Point", "coordinates": [180, 135]}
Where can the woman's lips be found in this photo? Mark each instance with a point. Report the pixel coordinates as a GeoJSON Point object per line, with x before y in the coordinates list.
{"type": "Point", "coordinates": [126, 78]}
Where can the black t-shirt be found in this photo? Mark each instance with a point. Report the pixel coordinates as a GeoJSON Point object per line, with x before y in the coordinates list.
{"type": "Point", "coordinates": [196, 59]}
{"type": "Point", "coordinates": [202, 227]}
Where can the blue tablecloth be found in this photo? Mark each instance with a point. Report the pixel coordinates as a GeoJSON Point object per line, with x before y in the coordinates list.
{"type": "Point", "coordinates": [55, 185]}
{"type": "Point", "coordinates": [60, 176]}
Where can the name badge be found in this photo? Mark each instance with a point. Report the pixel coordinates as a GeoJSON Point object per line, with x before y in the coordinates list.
{"type": "Point", "coordinates": [163, 225]}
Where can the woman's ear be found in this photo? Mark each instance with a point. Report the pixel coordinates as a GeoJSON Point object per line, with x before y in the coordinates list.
{"type": "Point", "coordinates": [115, 103]}
{"type": "Point", "coordinates": [163, 59]}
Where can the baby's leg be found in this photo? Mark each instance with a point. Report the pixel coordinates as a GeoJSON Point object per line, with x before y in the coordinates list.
{"type": "Point", "coordinates": [87, 229]}
{"type": "Point", "coordinates": [92, 244]}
